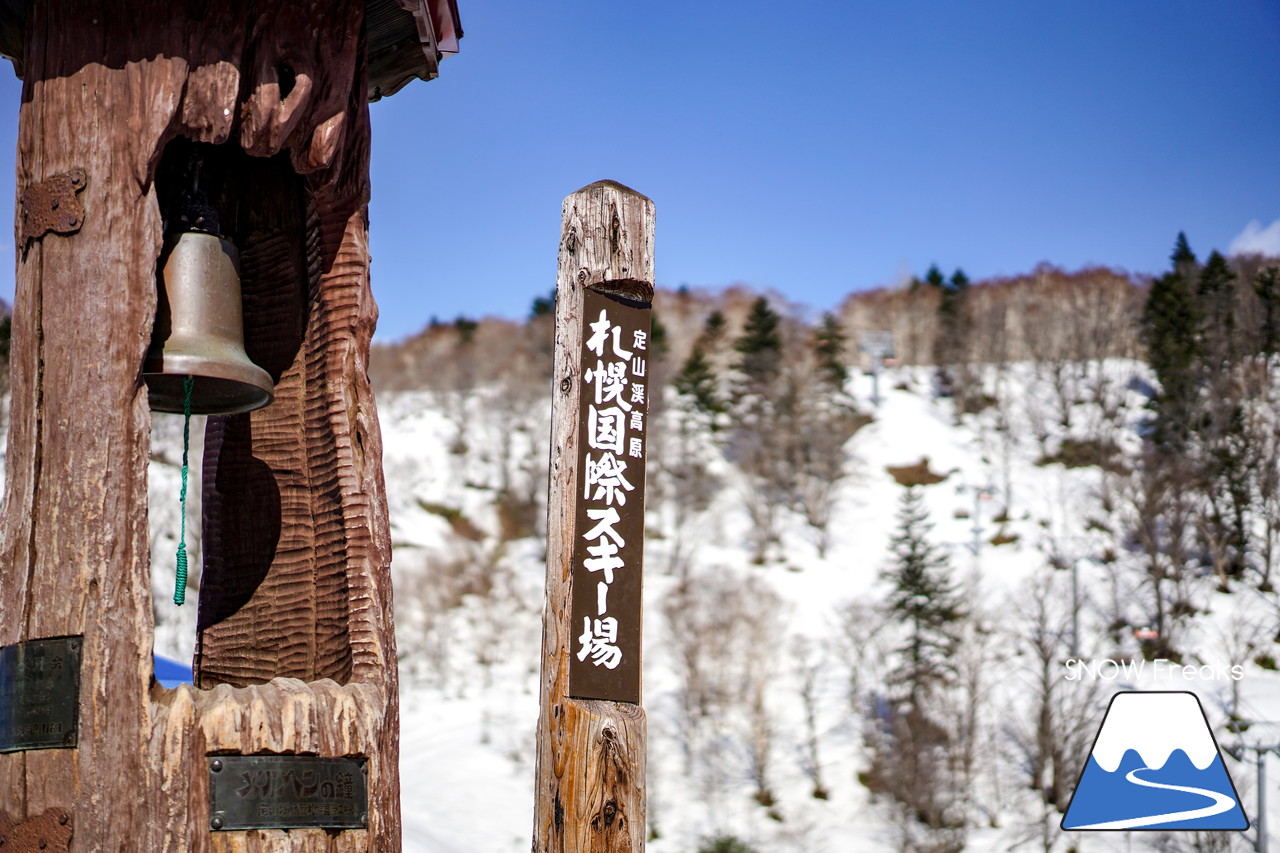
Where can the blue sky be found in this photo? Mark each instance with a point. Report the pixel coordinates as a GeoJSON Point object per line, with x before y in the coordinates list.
{"type": "Point", "coordinates": [815, 148]}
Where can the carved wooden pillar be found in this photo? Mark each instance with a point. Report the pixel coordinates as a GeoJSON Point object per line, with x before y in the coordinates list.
{"type": "Point", "coordinates": [296, 653]}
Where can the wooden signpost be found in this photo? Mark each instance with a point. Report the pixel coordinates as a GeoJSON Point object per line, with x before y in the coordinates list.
{"type": "Point", "coordinates": [591, 728]}
{"type": "Point", "coordinates": [296, 665]}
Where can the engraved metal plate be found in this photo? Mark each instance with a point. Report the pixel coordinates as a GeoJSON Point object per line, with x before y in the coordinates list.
{"type": "Point", "coordinates": [40, 694]}
{"type": "Point", "coordinates": [287, 792]}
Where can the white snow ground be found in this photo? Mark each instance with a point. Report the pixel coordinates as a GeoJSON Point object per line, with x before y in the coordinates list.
{"type": "Point", "coordinates": [467, 728]}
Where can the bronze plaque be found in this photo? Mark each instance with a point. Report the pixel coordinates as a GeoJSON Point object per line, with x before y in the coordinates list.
{"type": "Point", "coordinates": [608, 553]}
{"type": "Point", "coordinates": [40, 694]}
{"type": "Point", "coordinates": [287, 792]}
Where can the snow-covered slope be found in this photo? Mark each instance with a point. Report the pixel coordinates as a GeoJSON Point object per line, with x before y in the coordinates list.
{"type": "Point", "coordinates": [465, 474]}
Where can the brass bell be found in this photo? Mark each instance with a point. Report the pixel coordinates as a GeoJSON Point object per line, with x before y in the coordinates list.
{"type": "Point", "coordinates": [199, 332]}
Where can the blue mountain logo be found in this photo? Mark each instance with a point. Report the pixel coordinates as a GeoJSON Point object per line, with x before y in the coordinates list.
{"type": "Point", "coordinates": [1155, 765]}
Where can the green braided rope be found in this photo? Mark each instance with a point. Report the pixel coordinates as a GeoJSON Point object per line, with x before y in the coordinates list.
{"type": "Point", "coordinates": [180, 582]}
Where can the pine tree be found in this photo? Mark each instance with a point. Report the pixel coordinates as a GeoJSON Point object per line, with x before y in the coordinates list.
{"type": "Point", "coordinates": [829, 345]}
{"type": "Point", "coordinates": [1215, 297]}
{"type": "Point", "coordinates": [1267, 288]}
{"type": "Point", "coordinates": [1224, 443]}
{"type": "Point", "coordinates": [951, 346]}
{"type": "Point", "coordinates": [713, 327]}
{"type": "Point", "coordinates": [659, 343]}
{"type": "Point", "coordinates": [760, 346]}
{"type": "Point", "coordinates": [924, 598]}
{"type": "Point", "coordinates": [697, 382]}
{"type": "Point", "coordinates": [1171, 331]}
{"type": "Point", "coordinates": [1184, 260]}
{"type": "Point", "coordinates": [543, 306]}
{"type": "Point", "coordinates": [934, 277]}
{"type": "Point", "coordinates": [951, 314]}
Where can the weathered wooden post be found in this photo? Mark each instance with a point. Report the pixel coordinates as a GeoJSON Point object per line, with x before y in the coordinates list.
{"type": "Point", "coordinates": [591, 729]}
{"type": "Point", "coordinates": [289, 741]}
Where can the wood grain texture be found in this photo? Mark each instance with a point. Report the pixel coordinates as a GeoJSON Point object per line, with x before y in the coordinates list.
{"type": "Point", "coordinates": [285, 716]}
{"type": "Point", "coordinates": [107, 93]}
{"type": "Point", "coordinates": [590, 787]}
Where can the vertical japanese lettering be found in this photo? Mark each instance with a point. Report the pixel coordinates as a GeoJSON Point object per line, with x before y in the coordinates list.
{"type": "Point", "coordinates": [608, 557]}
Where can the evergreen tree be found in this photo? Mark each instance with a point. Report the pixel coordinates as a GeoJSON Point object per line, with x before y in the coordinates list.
{"type": "Point", "coordinates": [924, 598]}
{"type": "Point", "coordinates": [1171, 332]}
{"type": "Point", "coordinates": [697, 382]}
{"type": "Point", "coordinates": [659, 343]}
{"type": "Point", "coordinates": [1215, 297]}
{"type": "Point", "coordinates": [760, 346]}
{"type": "Point", "coordinates": [1184, 260]}
{"type": "Point", "coordinates": [713, 327]}
{"type": "Point", "coordinates": [543, 306]}
{"type": "Point", "coordinates": [829, 342]}
{"type": "Point", "coordinates": [1224, 450]}
{"type": "Point", "coordinates": [951, 314]}
{"type": "Point", "coordinates": [955, 375]}
{"type": "Point", "coordinates": [1267, 288]}
{"type": "Point", "coordinates": [934, 277]}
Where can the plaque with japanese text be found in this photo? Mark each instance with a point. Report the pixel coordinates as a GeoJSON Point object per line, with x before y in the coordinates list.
{"type": "Point", "coordinates": [40, 694]}
{"type": "Point", "coordinates": [608, 554]}
{"type": "Point", "coordinates": [287, 792]}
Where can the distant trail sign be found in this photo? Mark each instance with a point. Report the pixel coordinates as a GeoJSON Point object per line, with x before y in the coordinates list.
{"type": "Point", "coordinates": [590, 785]}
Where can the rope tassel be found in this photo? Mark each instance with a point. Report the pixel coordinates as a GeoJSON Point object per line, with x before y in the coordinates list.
{"type": "Point", "coordinates": [180, 579]}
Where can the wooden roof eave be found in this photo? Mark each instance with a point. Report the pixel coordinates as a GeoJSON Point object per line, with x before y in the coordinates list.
{"type": "Point", "coordinates": [403, 44]}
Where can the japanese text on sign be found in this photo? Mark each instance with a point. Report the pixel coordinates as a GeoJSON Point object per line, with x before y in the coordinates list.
{"type": "Point", "coordinates": [608, 555]}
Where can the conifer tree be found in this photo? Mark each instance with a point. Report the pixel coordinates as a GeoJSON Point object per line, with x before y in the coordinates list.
{"type": "Point", "coordinates": [1267, 288]}
{"type": "Point", "coordinates": [829, 342]}
{"type": "Point", "coordinates": [1224, 444]}
{"type": "Point", "coordinates": [760, 346]}
{"type": "Point", "coordinates": [924, 598]}
{"type": "Point", "coordinates": [1184, 260]}
{"type": "Point", "coordinates": [1171, 332]}
{"type": "Point", "coordinates": [713, 327]}
{"type": "Point", "coordinates": [912, 746]}
{"type": "Point", "coordinates": [544, 306]}
{"type": "Point", "coordinates": [658, 340]}
{"type": "Point", "coordinates": [934, 277]}
{"type": "Point", "coordinates": [697, 382]}
{"type": "Point", "coordinates": [951, 346]}
{"type": "Point", "coordinates": [1215, 297]}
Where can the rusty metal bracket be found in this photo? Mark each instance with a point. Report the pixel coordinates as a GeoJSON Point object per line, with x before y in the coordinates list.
{"type": "Point", "coordinates": [48, 833]}
{"type": "Point", "coordinates": [51, 205]}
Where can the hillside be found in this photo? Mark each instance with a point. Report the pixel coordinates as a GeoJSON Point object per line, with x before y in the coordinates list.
{"type": "Point", "coordinates": [767, 683]}
{"type": "Point", "coordinates": [881, 613]}
{"type": "Point", "coordinates": [764, 683]}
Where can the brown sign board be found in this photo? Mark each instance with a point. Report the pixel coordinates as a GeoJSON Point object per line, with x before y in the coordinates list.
{"type": "Point", "coordinates": [608, 553]}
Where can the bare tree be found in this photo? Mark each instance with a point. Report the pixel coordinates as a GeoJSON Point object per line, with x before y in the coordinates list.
{"type": "Point", "coordinates": [683, 479]}
{"type": "Point", "coordinates": [725, 632]}
{"type": "Point", "coordinates": [1159, 519]}
{"type": "Point", "coordinates": [811, 662]}
{"type": "Point", "coordinates": [1053, 741]}
{"type": "Point", "coordinates": [821, 426]}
